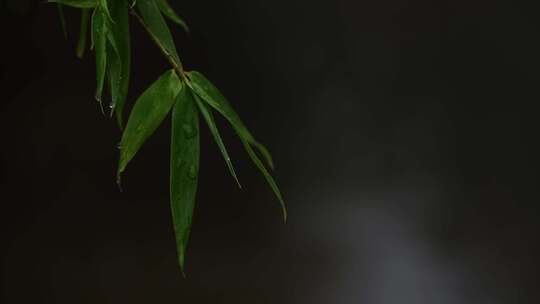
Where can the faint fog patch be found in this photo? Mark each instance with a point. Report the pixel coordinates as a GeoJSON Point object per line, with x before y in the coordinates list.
{"type": "Point", "coordinates": [380, 252]}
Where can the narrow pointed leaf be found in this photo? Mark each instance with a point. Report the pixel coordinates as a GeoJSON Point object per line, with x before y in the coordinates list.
{"type": "Point", "coordinates": [209, 117]}
{"type": "Point", "coordinates": [267, 176]}
{"type": "Point", "coordinates": [147, 114]}
{"type": "Point", "coordinates": [83, 35]}
{"type": "Point", "coordinates": [169, 12]}
{"type": "Point", "coordinates": [184, 168]}
{"type": "Point", "coordinates": [119, 61]}
{"type": "Point", "coordinates": [99, 42]}
{"type": "Point", "coordinates": [209, 93]}
{"type": "Point", "coordinates": [158, 28]}
{"type": "Point", "coordinates": [62, 19]}
{"type": "Point", "coordinates": [76, 3]}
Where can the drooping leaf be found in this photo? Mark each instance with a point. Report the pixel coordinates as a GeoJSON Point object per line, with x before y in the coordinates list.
{"type": "Point", "coordinates": [267, 176]}
{"type": "Point", "coordinates": [158, 28]}
{"type": "Point", "coordinates": [184, 168]}
{"type": "Point", "coordinates": [99, 43]}
{"type": "Point", "coordinates": [147, 114]}
{"type": "Point", "coordinates": [119, 59]}
{"type": "Point", "coordinates": [209, 93]}
{"type": "Point", "coordinates": [62, 19]}
{"type": "Point", "coordinates": [83, 35]}
{"type": "Point", "coordinates": [209, 117]}
{"type": "Point", "coordinates": [76, 3]}
{"type": "Point", "coordinates": [169, 12]}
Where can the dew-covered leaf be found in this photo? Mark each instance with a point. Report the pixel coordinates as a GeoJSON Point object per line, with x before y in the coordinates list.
{"type": "Point", "coordinates": [169, 12]}
{"type": "Point", "coordinates": [209, 93]}
{"type": "Point", "coordinates": [119, 59]}
{"type": "Point", "coordinates": [184, 168]}
{"type": "Point", "coordinates": [147, 114]}
{"type": "Point", "coordinates": [209, 118]}
{"type": "Point", "coordinates": [157, 26]}
{"type": "Point", "coordinates": [76, 3]}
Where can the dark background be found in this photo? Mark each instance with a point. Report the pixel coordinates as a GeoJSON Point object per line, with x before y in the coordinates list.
{"type": "Point", "coordinates": [404, 134]}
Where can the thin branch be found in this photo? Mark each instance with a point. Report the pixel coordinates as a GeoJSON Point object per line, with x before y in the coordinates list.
{"type": "Point", "coordinates": [175, 64]}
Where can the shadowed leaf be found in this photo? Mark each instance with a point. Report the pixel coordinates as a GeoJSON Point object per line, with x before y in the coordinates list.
{"type": "Point", "coordinates": [184, 168]}
{"type": "Point", "coordinates": [147, 114]}
{"type": "Point", "coordinates": [83, 35]}
{"type": "Point", "coordinates": [62, 19]}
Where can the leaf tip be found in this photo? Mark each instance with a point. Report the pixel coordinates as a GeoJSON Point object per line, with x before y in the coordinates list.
{"type": "Point", "coordinates": [284, 209]}
{"type": "Point", "coordinates": [119, 181]}
{"type": "Point", "coordinates": [181, 261]}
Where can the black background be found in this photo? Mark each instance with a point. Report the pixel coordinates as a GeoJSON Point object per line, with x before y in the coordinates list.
{"type": "Point", "coordinates": [404, 134]}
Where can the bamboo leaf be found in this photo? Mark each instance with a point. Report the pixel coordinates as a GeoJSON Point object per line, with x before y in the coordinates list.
{"type": "Point", "coordinates": [184, 168]}
{"type": "Point", "coordinates": [103, 5]}
{"type": "Point", "coordinates": [169, 12]}
{"type": "Point", "coordinates": [209, 117]}
{"type": "Point", "coordinates": [76, 3]}
{"type": "Point", "coordinates": [267, 176]}
{"type": "Point", "coordinates": [158, 28]}
{"type": "Point", "coordinates": [83, 35]}
{"type": "Point", "coordinates": [209, 93]}
{"type": "Point", "coordinates": [147, 114]}
{"type": "Point", "coordinates": [99, 42]}
{"type": "Point", "coordinates": [119, 61]}
{"type": "Point", "coordinates": [62, 19]}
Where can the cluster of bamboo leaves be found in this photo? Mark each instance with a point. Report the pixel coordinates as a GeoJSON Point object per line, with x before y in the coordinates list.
{"type": "Point", "coordinates": [182, 94]}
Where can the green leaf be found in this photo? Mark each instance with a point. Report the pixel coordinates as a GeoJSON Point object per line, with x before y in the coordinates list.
{"type": "Point", "coordinates": [103, 5]}
{"type": "Point", "coordinates": [119, 59]}
{"type": "Point", "coordinates": [62, 19]}
{"type": "Point", "coordinates": [209, 117]}
{"type": "Point", "coordinates": [83, 35]}
{"type": "Point", "coordinates": [266, 175]}
{"type": "Point", "coordinates": [209, 93]}
{"type": "Point", "coordinates": [147, 114]}
{"type": "Point", "coordinates": [76, 3]}
{"type": "Point", "coordinates": [184, 168]}
{"type": "Point", "coordinates": [157, 27]}
{"type": "Point", "coordinates": [168, 11]}
{"type": "Point", "coordinates": [99, 42]}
